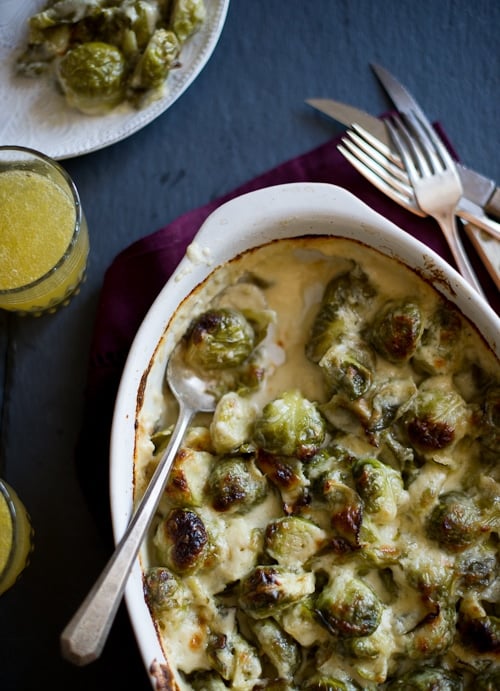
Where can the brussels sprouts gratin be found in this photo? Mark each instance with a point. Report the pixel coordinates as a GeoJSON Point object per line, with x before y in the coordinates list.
{"type": "Point", "coordinates": [107, 52]}
{"type": "Point", "coordinates": [335, 523]}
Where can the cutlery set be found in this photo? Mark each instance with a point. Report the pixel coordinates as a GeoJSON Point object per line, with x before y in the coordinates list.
{"type": "Point", "coordinates": [404, 157]}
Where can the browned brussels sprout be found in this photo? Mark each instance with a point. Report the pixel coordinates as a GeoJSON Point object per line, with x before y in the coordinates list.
{"type": "Point", "coordinates": [396, 331]}
{"type": "Point", "coordinates": [434, 634]}
{"type": "Point", "coordinates": [478, 630]}
{"type": "Point", "coordinates": [348, 607]}
{"type": "Point", "coordinates": [427, 679]}
{"type": "Point", "coordinates": [219, 339]}
{"type": "Point", "coordinates": [162, 590]}
{"type": "Point", "coordinates": [182, 541]}
{"type": "Point", "coordinates": [455, 522]}
{"type": "Point", "coordinates": [267, 590]}
{"type": "Point", "coordinates": [379, 486]}
{"type": "Point", "coordinates": [233, 658]}
{"type": "Point", "coordinates": [292, 540]}
{"type": "Point", "coordinates": [439, 348]}
{"type": "Point", "coordinates": [235, 485]}
{"type": "Point", "coordinates": [436, 418]}
{"type": "Point", "coordinates": [347, 368]}
{"type": "Point", "coordinates": [344, 299]}
{"type": "Point", "coordinates": [290, 425]}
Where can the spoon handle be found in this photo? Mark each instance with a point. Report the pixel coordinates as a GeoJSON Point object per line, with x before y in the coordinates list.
{"type": "Point", "coordinates": [84, 637]}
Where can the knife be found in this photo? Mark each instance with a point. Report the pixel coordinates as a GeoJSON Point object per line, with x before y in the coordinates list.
{"type": "Point", "coordinates": [478, 191]}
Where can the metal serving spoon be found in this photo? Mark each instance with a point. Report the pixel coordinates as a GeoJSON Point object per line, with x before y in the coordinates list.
{"type": "Point", "coordinates": [84, 637]}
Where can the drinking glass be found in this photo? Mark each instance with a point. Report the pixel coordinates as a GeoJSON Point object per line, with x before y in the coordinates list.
{"type": "Point", "coordinates": [16, 537]}
{"type": "Point", "coordinates": [44, 241]}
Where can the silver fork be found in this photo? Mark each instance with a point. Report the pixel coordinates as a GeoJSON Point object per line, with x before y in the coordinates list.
{"type": "Point", "coordinates": [424, 179]}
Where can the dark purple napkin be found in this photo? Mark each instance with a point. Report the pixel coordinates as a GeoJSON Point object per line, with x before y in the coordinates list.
{"type": "Point", "coordinates": [149, 262]}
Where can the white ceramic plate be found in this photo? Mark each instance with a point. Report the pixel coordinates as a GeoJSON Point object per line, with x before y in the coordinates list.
{"type": "Point", "coordinates": [248, 221]}
{"type": "Point", "coordinates": [35, 115]}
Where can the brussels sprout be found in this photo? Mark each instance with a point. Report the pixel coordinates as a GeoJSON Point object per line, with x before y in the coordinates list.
{"type": "Point", "coordinates": [162, 590]}
{"type": "Point", "coordinates": [155, 62]}
{"type": "Point", "coordinates": [188, 476]}
{"type": "Point", "coordinates": [439, 348]}
{"type": "Point", "coordinates": [292, 540]}
{"type": "Point", "coordinates": [436, 417]}
{"type": "Point", "coordinates": [478, 630]}
{"type": "Point", "coordinates": [389, 398]}
{"type": "Point", "coordinates": [427, 679]}
{"type": "Point", "coordinates": [274, 685]}
{"type": "Point", "coordinates": [340, 310]}
{"type": "Point", "coordinates": [490, 428]}
{"type": "Point", "coordinates": [396, 331]}
{"type": "Point", "coordinates": [235, 485]}
{"type": "Point", "coordinates": [233, 658]}
{"type": "Point", "coordinates": [346, 511]}
{"type": "Point", "coordinates": [92, 76]}
{"type": "Point", "coordinates": [218, 339]}
{"type": "Point", "coordinates": [319, 682]}
{"type": "Point", "coordinates": [477, 569]}
{"type": "Point", "coordinates": [290, 425]}
{"type": "Point", "coordinates": [455, 522]}
{"type": "Point", "coordinates": [267, 590]}
{"type": "Point", "coordinates": [489, 680]}
{"type": "Point", "coordinates": [280, 648]}
{"type": "Point", "coordinates": [187, 17]}
{"type": "Point", "coordinates": [182, 541]}
{"type": "Point", "coordinates": [207, 681]}
{"type": "Point", "coordinates": [379, 486]}
{"type": "Point", "coordinates": [347, 607]}
{"type": "Point", "coordinates": [299, 621]}
{"type": "Point", "coordinates": [287, 474]}
{"type": "Point", "coordinates": [347, 368]}
{"type": "Point", "coordinates": [232, 422]}
{"type": "Point", "coordinates": [434, 634]}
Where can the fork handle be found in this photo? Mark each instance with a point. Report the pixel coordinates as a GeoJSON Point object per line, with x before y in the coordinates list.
{"type": "Point", "coordinates": [447, 222]}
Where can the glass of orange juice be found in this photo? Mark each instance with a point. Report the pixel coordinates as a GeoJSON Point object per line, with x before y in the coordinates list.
{"type": "Point", "coordinates": [16, 537]}
{"type": "Point", "coordinates": [44, 241]}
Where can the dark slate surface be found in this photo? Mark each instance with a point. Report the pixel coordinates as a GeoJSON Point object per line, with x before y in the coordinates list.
{"type": "Point", "coordinates": [244, 114]}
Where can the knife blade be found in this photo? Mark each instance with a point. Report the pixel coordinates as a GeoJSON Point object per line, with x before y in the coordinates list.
{"type": "Point", "coordinates": [478, 190]}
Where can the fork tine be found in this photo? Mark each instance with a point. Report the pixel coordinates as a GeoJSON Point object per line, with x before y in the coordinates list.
{"type": "Point", "coordinates": [377, 145]}
{"type": "Point", "coordinates": [378, 176]}
{"type": "Point", "coordinates": [412, 157]}
{"type": "Point", "coordinates": [436, 141]}
{"type": "Point", "coordinates": [377, 155]}
{"type": "Point", "coordinates": [418, 132]}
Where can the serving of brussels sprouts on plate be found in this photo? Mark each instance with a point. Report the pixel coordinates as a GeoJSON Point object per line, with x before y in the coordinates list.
{"type": "Point", "coordinates": [104, 53]}
{"type": "Point", "coordinates": [81, 74]}
{"type": "Point", "coordinates": [334, 524]}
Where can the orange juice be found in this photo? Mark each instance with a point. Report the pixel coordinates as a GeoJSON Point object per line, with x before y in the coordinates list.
{"type": "Point", "coordinates": [15, 537]}
{"type": "Point", "coordinates": [43, 235]}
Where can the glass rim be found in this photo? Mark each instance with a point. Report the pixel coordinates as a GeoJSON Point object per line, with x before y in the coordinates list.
{"type": "Point", "coordinates": [4, 491]}
{"type": "Point", "coordinates": [78, 219]}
